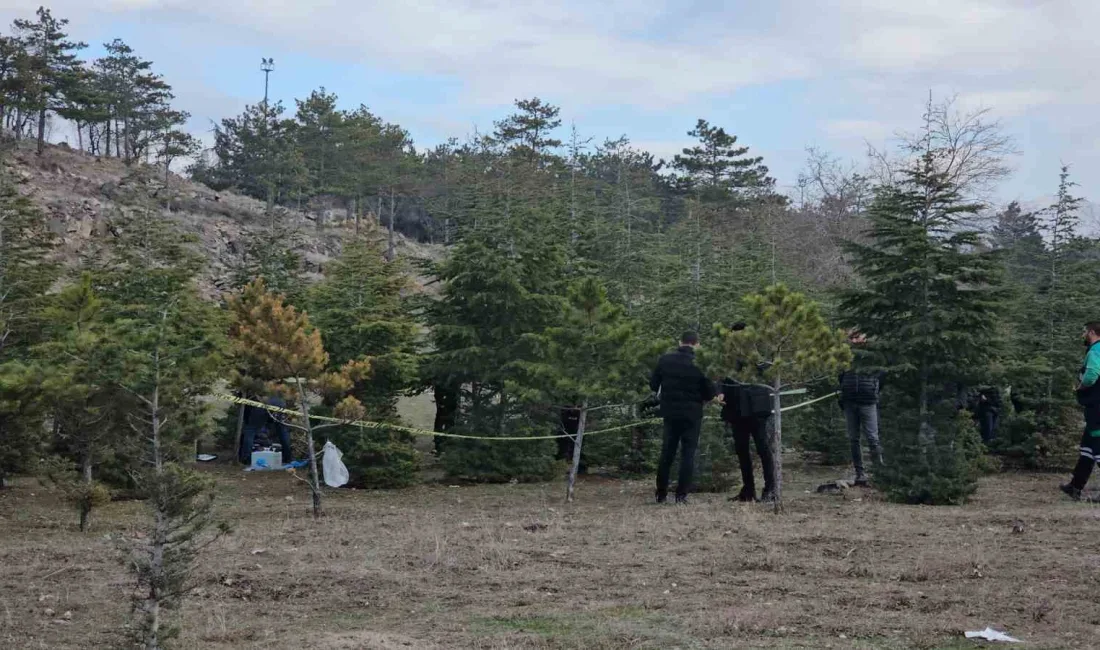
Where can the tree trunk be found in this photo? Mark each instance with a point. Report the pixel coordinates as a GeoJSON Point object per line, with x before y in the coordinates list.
{"type": "Point", "coordinates": [86, 503]}
{"type": "Point", "coordinates": [41, 131]}
{"type": "Point", "coordinates": [391, 252]}
{"type": "Point", "coordinates": [240, 431]}
{"type": "Point", "coordinates": [578, 441]}
{"type": "Point", "coordinates": [775, 441]}
{"type": "Point", "coordinates": [160, 534]}
{"type": "Point", "coordinates": [314, 475]}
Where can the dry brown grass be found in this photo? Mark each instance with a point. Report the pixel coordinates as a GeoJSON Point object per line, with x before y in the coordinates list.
{"type": "Point", "coordinates": [513, 567]}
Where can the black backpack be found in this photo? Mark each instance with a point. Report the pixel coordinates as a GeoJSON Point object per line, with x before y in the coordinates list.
{"type": "Point", "coordinates": [755, 401]}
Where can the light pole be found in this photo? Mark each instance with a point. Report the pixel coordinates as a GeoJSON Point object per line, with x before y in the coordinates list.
{"type": "Point", "coordinates": [267, 65]}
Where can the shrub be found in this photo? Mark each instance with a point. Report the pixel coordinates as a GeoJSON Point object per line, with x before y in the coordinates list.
{"type": "Point", "coordinates": [487, 461]}
{"type": "Point", "coordinates": [716, 467]}
{"type": "Point", "coordinates": [940, 471]}
{"type": "Point", "coordinates": [377, 458]}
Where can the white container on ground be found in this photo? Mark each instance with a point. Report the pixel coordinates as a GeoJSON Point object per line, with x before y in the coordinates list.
{"type": "Point", "coordinates": [267, 459]}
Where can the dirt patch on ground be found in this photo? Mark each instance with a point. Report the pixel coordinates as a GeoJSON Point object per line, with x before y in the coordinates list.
{"type": "Point", "coordinates": [513, 567]}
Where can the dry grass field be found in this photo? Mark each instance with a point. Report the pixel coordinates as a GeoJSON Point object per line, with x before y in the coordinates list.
{"type": "Point", "coordinates": [511, 566]}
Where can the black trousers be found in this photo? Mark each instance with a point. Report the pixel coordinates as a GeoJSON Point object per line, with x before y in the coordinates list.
{"type": "Point", "coordinates": [680, 434]}
{"type": "Point", "coordinates": [756, 429]}
{"type": "Point", "coordinates": [1090, 452]}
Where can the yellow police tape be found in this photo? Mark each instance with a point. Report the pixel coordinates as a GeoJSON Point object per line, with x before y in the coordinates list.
{"type": "Point", "coordinates": [367, 424]}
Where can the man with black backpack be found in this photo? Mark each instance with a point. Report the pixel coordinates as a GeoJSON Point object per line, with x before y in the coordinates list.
{"type": "Point", "coordinates": [745, 410]}
{"type": "Point", "coordinates": [859, 391]}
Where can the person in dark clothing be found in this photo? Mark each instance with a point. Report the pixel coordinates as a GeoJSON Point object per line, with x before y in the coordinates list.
{"type": "Point", "coordinates": [986, 407]}
{"type": "Point", "coordinates": [1088, 396]}
{"type": "Point", "coordinates": [859, 393]}
{"type": "Point", "coordinates": [446, 412]}
{"type": "Point", "coordinates": [259, 425]}
{"type": "Point", "coordinates": [570, 422]}
{"type": "Point", "coordinates": [745, 410]}
{"type": "Point", "coordinates": [683, 389]}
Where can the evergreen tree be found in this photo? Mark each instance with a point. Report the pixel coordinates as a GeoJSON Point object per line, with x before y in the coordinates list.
{"type": "Point", "coordinates": [270, 253]}
{"type": "Point", "coordinates": [279, 341]}
{"type": "Point", "coordinates": [52, 64]}
{"type": "Point", "coordinates": [359, 310]}
{"type": "Point", "coordinates": [134, 96]}
{"type": "Point", "coordinates": [171, 142]}
{"type": "Point", "coordinates": [81, 393]}
{"type": "Point", "coordinates": [928, 301]}
{"type": "Point", "coordinates": [528, 132]}
{"type": "Point", "coordinates": [589, 362]}
{"type": "Point", "coordinates": [786, 342]}
{"type": "Point", "coordinates": [26, 273]}
{"type": "Point", "coordinates": [1070, 286]}
{"type": "Point", "coordinates": [166, 363]}
{"type": "Point", "coordinates": [717, 169]}
{"type": "Point", "coordinates": [319, 138]}
{"type": "Point", "coordinates": [497, 288]}
{"type": "Point", "coordinates": [256, 154]}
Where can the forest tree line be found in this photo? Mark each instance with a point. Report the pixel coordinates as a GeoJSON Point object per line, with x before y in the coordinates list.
{"type": "Point", "coordinates": [568, 265]}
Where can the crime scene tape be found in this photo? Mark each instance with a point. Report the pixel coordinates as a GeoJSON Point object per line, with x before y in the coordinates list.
{"type": "Point", "coordinates": [368, 424]}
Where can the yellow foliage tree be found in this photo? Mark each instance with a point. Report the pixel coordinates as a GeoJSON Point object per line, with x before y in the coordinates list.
{"type": "Point", "coordinates": [274, 339]}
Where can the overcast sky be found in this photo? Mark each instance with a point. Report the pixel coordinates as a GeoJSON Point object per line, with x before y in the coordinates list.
{"type": "Point", "coordinates": [782, 75]}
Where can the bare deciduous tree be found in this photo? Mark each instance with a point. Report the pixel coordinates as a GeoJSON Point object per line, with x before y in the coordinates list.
{"type": "Point", "coordinates": [969, 146]}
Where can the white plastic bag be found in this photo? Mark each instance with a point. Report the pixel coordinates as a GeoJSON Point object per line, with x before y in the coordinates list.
{"type": "Point", "coordinates": [336, 473]}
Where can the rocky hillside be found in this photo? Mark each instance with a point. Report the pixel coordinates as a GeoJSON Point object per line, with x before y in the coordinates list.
{"type": "Point", "coordinates": [80, 193]}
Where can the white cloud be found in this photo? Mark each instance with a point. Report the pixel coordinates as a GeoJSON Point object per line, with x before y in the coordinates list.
{"type": "Point", "coordinates": [1016, 57]}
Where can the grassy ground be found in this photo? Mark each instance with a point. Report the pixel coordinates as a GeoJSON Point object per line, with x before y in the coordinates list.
{"type": "Point", "coordinates": [513, 567]}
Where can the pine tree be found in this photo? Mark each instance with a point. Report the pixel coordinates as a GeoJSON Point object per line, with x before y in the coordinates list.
{"type": "Point", "coordinates": [1069, 288]}
{"type": "Point", "coordinates": [359, 309]}
{"type": "Point", "coordinates": [499, 284]}
{"type": "Point", "coordinates": [717, 169]}
{"type": "Point", "coordinates": [52, 62]}
{"type": "Point", "coordinates": [257, 154]}
{"type": "Point", "coordinates": [80, 392]}
{"type": "Point", "coordinates": [528, 133]}
{"type": "Point", "coordinates": [928, 301]}
{"type": "Point", "coordinates": [165, 363]}
{"type": "Point", "coordinates": [26, 273]}
{"type": "Point", "coordinates": [136, 100]}
{"type": "Point", "coordinates": [171, 142]}
{"type": "Point", "coordinates": [589, 362]}
{"type": "Point", "coordinates": [319, 138]}
{"type": "Point", "coordinates": [279, 341]}
{"type": "Point", "coordinates": [786, 342]}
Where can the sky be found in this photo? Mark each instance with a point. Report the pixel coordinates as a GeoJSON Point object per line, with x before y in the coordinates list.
{"type": "Point", "coordinates": [782, 75]}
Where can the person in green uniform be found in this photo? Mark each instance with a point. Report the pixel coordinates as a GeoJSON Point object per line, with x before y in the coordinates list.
{"type": "Point", "coordinates": [1088, 396]}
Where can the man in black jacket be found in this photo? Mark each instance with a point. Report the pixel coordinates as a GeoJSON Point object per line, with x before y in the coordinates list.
{"type": "Point", "coordinates": [859, 391]}
{"type": "Point", "coordinates": [683, 389]}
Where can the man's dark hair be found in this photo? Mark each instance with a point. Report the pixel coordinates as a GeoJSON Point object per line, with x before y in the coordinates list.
{"type": "Point", "coordinates": [689, 338]}
{"type": "Point", "coordinates": [738, 326]}
{"type": "Point", "coordinates": [1094, 327]}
